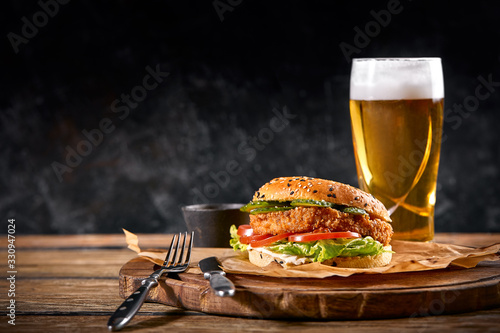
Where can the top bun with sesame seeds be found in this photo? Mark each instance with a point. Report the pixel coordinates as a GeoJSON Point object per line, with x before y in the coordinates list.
{"type": "Point", "coordinates": [308, 188]}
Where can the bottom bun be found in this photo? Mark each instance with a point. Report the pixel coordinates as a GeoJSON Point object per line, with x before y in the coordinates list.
{"type": "Point", "coordinates": [264, 259]}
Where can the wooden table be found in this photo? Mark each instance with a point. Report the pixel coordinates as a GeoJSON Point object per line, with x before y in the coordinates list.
{"type": "Point", "coordinates": [69, 283]}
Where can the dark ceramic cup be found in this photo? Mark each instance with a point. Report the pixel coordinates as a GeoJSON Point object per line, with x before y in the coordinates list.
{"type": "Point", "coordinates": [211, 222]}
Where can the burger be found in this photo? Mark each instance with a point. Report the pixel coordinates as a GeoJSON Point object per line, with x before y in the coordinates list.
{"type": "Point", "coordinates": [300, 220]}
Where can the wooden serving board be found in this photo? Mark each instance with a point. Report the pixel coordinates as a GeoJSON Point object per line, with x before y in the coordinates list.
{"type": "Point", "coordinates": [361, 296]}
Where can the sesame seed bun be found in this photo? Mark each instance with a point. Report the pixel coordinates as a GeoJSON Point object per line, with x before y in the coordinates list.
{"type": "Point", "coordinates": [291, 188]}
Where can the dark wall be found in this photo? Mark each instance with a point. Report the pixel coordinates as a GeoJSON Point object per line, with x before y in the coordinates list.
{"type": "Point", "coordinates": [115, 114]}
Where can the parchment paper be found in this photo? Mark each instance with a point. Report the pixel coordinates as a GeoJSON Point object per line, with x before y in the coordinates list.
{"type": "Point", "coordinates": [409, 257]}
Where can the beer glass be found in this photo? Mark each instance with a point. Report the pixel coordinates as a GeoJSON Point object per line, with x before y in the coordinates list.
{"type": "Point", "coordinates": [396, 107]}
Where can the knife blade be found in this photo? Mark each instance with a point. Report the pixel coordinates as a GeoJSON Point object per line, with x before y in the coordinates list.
{"type": "Point", "coordinates": [220, 284]}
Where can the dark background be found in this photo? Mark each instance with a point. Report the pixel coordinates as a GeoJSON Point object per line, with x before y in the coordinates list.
{"type": "Point", "coordinates": [205, 133]}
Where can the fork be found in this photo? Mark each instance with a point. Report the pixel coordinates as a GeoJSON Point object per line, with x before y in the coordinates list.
{"type": "Point", "coordinates": [172, 264]}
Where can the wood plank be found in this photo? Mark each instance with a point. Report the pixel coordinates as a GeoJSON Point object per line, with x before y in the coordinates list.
{"type": "Point", "coordinates": [68, 296]}
{"type": "Point", "coordinates": [183, 321]}
{"type": "Point", "coordinates": [69, 263]}
{"type": "Point", "coordinates": [86, 240]}
{"type": "Point", "coordinates": [57, 302]}
{"type": "Point", "coordinates": [468, 239]}
{"type": "Point", "coordinates": [162, 240]}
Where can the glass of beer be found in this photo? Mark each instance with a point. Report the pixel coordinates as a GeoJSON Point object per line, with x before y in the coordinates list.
{"type": "Point", "coordinates": [396, 107]}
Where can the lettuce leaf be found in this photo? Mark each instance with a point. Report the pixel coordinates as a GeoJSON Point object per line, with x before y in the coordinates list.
{"type": "Point", "coordinates": [235, 240]}
{"type": "Point", "coordinates": [319, 250]}
{"type": "Point", "coordinates": [325, 249]}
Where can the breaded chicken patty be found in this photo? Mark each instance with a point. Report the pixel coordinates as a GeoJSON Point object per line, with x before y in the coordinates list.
{"type": "Point", "coordinates": [320, 219]}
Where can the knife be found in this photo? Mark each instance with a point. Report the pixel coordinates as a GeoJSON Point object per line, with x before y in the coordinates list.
{"type": "Point", "coordinates": [220, 284]}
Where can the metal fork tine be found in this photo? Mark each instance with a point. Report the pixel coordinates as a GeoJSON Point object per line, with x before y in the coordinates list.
{"type": "Point", "coordinates": [177, 245]}
{"type": "Point", "coordinates": [168, 258]}
{"type": "Point", "coordinates": [181, 256]}
{"type": "Point", "coordinates": [188, 254]}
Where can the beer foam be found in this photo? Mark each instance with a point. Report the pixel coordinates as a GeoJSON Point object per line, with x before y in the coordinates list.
{"type": "Point", "coordinates": [396, 79]}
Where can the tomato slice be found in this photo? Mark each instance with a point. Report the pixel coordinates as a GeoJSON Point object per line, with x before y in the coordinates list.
{"type": "Point", "coordinates": [269, 240]}
{"type": "Point", "coordinates": [252, 238]}
{"type": "Point", "coordinates": [312, 236]}
{"type": "Point", "coordinates": [245, 230]}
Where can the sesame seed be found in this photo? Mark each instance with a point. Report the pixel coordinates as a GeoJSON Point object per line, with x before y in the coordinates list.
{"type": "Point", "coordinates": [288, 184]}
{"type": "Point", "coordinates": [291, 193]}
{"type": "Point", "coordinates": [366, 204]}
{"type": "Point", "coordinates": [357, 198]}
{"type": "Point", "coordinates": [315, 191]}
{"type": "Point", "coordinates": [329, 195]}
{"type": "Point", "coordinates": [308, 190]}
{"type": "Point", "coordinates": [334, 195]}
{"type": "Point", "coordinates": [331, 189]}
